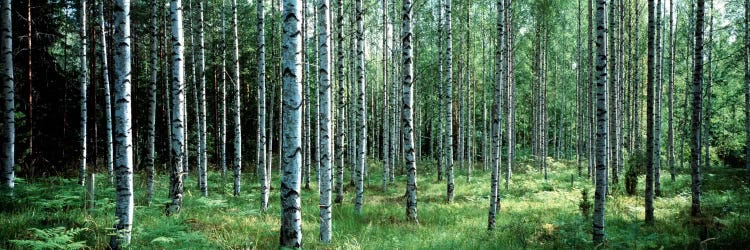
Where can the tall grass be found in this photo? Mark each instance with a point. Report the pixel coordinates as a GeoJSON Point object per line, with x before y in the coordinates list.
{"type": "Point", "coordinates": [534, 214]}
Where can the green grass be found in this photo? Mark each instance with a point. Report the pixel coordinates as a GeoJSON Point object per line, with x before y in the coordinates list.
{"type": "Point", "coordinates": [535, 214]}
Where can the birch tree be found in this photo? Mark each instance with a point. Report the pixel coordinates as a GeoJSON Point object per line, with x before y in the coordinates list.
{"type": "Point", "coordinates": [151, 135]}
{"type": "Point", "coordinates": [649, 203]}
{"type": "Point", "coordinates": [747, 87]}
{"type": "Point", "coordinates": [341, 107]}
{"type": "Point", "coordinates": [261, 147]}
{"type": "Point", "coordinates": [107, 97]}
{"type": "Point", "coordinates": [291, 216]}
{"type": "Point", "coordinates": [670, 94]}
{"type": "Point", "coordinates": [449, 100]}
{"type": "Point", "coordinates": [123, 147]}
{"type": "Point", "coordinates": [695, 118]}
{"type": "Point", "coordinates": [83, 85]}
{"type": "Point", "coordinates": [497, 119]}
{"type": "Point", "coordinates": [362, 106]}
{"type": "Point", "coordinates": [407, 117]}
{"type": "Point", "coordinates": [202, 159]}
{"type": "Point", "coordinates": [178, 100]}
{"type": "Point", "coordinates": [6, 75]}
{"type": "Point", "coordinates": [237, 126]}
{"type": "Point", "coordinates": [326, 132]}
{"type": "Point", "coordinates": [601, 123]}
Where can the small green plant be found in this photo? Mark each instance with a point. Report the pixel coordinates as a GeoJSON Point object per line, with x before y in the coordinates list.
{"type": "Point", "coordinates": [52, 238]}
{"type": "Point", "coordinates": [585, 205]}
{"type": "Point", "coordinates": [636, 166]}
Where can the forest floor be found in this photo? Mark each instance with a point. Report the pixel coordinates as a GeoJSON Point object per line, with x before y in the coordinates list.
{"type": "Point", "coordinates": [535, 214]}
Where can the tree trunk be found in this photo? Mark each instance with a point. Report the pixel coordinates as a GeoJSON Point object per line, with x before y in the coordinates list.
{"type": "Point", "coordinates": [326, 132]}
{"type": "Point", "coordinates": [670, 95]}
{"type": "Point", "coordinates": [601, 123]}
{"type": "Point", "coordinates": [362, 124]}
{"type": "Point", "coordinates": [697, 105]}
{"type": "Point", "coordinates": [237, 161]}
{"type": "Point", "coordinates": [747, 87]}
{"type": "Point", "coordinates": [657, 102]}
{"type": "Point", "coordinates": [9, 123]}
{"type": "Point", "coordinates": [202, 159]}
{"type": "Point", "coordinates": [222, 130]}
{"type": "Point", "coordinates": [407, 116]}
{"type": "Point", "coordinates": [123, 147]}
{"type": "Point", "coordinates": [707, 118]}
{"type": "Point", "coordinates": [341, 106]}
{"type": "Point", "coordinates": [83, 85]}
{"type": "Point", "coordinates": [650, 154]}
{"type": "Point", "coordinates": [385, 122]}
{"type": "Point", "coordinates": [107, 97]}
{"type": "Point", "coordinates": [151, 140]}
{"type": "Point", "coordinates": [497, 118]}
{"type": "Point", "coordinates": [291, 216]}
{"type": "Point", "coordinates": [178, 97]}
{"type": "Point", "coordinates": [449, 100]}
{"type": "Point", "coordinates": [261, 133]}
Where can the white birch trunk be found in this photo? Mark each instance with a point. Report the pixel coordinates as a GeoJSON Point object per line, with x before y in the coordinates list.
{"type": "Point", "coordinates": [261, 147]}
{"type": "Point", "coordinates": [362, 107]}
{"type": "Point", "coordinates": [202, 159]}
{"type": "Point", "coordinates": [449, 100]}
{"type": "Point", "coordinates": [178, 100]}
{"type": "Point", "coordinates": [237, 161]}
{"type": "Point", "coordinates": [151, 140]}
{"type": "Point", "coordinates": [341, 107]}
{"type": "Point", "coordinates": [83, 85]}
{"type": "Point", "coordinates": [291, 214]}
{"type": "Point", "coordinates": [407, 116]}
{"type": "Point", "coordinates": [601, 123]}
{"type": "Point", "coordinates": [107, 97]}
{"type": "Point", "coordinates": [324, 111]}
{"type": "Point", "coordinates": [497, 119]}
{"type": "Point", "coordinates": [9, 123]}
{"type": "Point", "coordinates": [123, 147]}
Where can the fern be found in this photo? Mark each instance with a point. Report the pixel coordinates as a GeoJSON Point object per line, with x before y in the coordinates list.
{"type": "Point", "coordinates": [52, 238]}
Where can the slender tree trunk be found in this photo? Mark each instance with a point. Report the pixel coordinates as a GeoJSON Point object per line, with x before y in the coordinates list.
{"type": "Point", "coordinates": [589, 109]}
{"type": "Point", "coordinates": [579, 96]}
{"type": "Point", "coordinates": [670, 95]}
{"type": "Point", "coordinates": [650, 154]}
{"type": "Point", "coordinates": [291, 216]}
{"type": "Point", "coordinates": [202, 159]}
{"type": "Point", "coordinates": [386, 123]}
{"type": "Point", "coordinates": [362, 124]}
{"type": "Point", "coordinates": [341, 106]}
{"type": "Point", "coordinates": [707, 117]}
{"type": "Point", "coordinates": [747, 87]}
{"type": "Point", "coordinates": [83, 85]}
{"type": "Point", "coordinates": [223, 97]}
{"type": "Point", "coordinates": [107, 97]}
{"type": "Point", "coordinates": [511, 93]}
{"type": "Point", "coordinates": [697, 105]}
{"type": "Point", "coordinates": [407, 116]}
{"type": "Point", "coordinates": [178, 97]}
{"type": "Point", "coordinates": [613, 92]}
{"type": "Point", "coordinates": [237, 161]}
{"type": "Point", "coordinates": [261, 147]}
{"type": "Point", "coordinates": [657, 102]}
{"type": "Point", "coordinates": [449, 99]}
{"type": "Point", "coordinates": [497, 118]}
{"type": "Point", "coordinates": [9, 106]}
{"type": "Point", "coordinates": [601, 123]}
{"type": "Point", "coordinates": [326, 129]}
{"type": "Point", "coordinates": [123, 146]}
{"type": "Point", "coordinates": [151, 140]}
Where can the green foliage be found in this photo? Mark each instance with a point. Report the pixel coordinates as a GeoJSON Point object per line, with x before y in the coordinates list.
{"type": "Point", "coordinates": [585, 205]}
{"type": "Point", "coordinates": [636, 165]}
{"type": "Point", "coordinates": [52, 238]}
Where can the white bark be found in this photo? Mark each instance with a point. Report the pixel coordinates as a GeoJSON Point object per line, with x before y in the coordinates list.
{"type": "Point", "coordinates": [407, 116]}
{"type": "Point", "coordinates": [497, 119]}
{"type": "Point", "coordinates": [9, 123]}
{"type": "Point", "coordinates": [341, 107]}
{"type": "Point", "coordinates": [261, 147]}
{"type": "Point", "coordinates": [178, 97]}
{"type": "Point", "coordinates": [325, 114]}
{"type": "Point", "coordinates": [291, 214]}
{"type": "Point", "coordinates": [151, 140]}
{"type": "Point", "coordinates": [362, 107]}
{"type": "Point", "coordinates": [83, 85]}
{"type": "Point", "coordinates": [123, 147]}
{"type": "Point", "coordinates": [449, 100]}
{"type": "Point", "coordinates": [107, 97]}
{"type": "Point", "coordinates": [601, 123]}
{"type": "Point", "coordinates": [202, 159]}
{"type": "Point", "coordinates": [237, 143]}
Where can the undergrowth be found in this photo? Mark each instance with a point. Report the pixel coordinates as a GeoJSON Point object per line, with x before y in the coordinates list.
{"type": "Point", "coordinates": [535, 214]}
